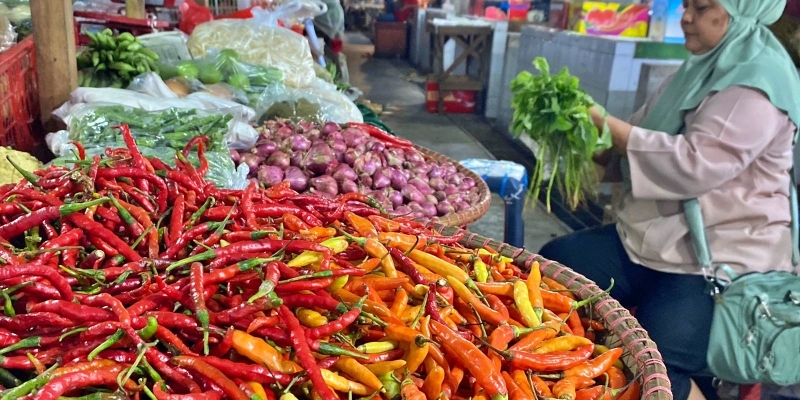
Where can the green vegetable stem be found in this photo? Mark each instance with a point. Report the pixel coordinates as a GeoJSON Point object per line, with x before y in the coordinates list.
{"type": "Point", "coordinates": [554, 112]}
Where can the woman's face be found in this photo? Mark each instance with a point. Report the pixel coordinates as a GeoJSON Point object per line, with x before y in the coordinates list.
{"type": "Point", "coordinates": [704, 24]}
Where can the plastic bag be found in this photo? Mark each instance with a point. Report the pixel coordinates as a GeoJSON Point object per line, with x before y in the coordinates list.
{"type": "Point", "coordinates": [240, 134]}
{"type": "Point", "coordinates": [294, 12]}
{"type": "Point", "coordinates": [319, 102]}
{"type": "Point", "coordinates": [192, 15]}
{"type": "Point", "coordinates": [16, 11]}
{"type": "Point", "coordinates": [8, 36]}
{"type": "Point", "coordinates": [225, 68]}
{"type": "Point", "coordinates": [258, 41]}
{"type": "Point", "coordinates": [331, 23]}
{"type": "Point", "coordinates": [221, 169]}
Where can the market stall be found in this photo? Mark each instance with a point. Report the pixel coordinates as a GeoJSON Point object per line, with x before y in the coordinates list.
{"type": "Point", "coordinates": [218, 219]}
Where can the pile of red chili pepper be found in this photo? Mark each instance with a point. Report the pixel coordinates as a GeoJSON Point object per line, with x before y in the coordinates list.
{"type": "Point", "coordinates": [125, 278]}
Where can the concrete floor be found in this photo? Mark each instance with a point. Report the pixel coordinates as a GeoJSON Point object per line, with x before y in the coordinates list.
{"type": "Point", "coordinates": [395, 85]}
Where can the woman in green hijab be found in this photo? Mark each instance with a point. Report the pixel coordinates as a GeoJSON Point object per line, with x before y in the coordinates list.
{"type": "Point", "coordinates": [721, 130]}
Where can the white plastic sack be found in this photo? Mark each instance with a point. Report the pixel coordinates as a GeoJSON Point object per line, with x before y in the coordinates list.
{"type": "Point", "coordinates": [258, 41]}
{"type": "Point", "coordinates": [328, 103]}
{"type": "Point", "coordinates": [240, 135]}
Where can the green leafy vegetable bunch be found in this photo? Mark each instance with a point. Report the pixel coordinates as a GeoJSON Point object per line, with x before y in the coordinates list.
{"type": "Point", "coordinates": [554, 111]}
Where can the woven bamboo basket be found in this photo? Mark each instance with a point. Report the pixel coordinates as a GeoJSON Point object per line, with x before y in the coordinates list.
{"type": "Point", "coordinates": [641, 357]}
{"type": "Point", "coordinates": [472, 214]}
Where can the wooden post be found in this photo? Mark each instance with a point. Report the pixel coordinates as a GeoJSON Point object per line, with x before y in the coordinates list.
{"type": "Point", "coordinates": [135, 9]}
{"type": "Point", "coordinates": [56, 66]}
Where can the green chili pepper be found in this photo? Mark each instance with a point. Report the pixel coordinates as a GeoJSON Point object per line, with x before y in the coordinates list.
{"type": "Point", "coordinates": [150, 329]}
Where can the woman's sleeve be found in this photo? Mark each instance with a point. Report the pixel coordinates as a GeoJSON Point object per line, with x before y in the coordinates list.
{"type": "Point", "coordinates": [731, 128]}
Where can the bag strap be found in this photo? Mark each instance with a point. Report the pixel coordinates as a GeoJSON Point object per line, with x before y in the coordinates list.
{"type": "Point", "coordinates": [694, 219]}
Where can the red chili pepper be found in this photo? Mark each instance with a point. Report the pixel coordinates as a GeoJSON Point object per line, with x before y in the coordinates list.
{"type": "Point", "coordinates": [56, 280]}
{"type": "Point", "coordinates": [96, 230]}
{"type": "Point", "coordinates": [72, 311]}
{"type": "Point", "coordinates": [28, 221]}
{"type": "Point", "coordinates": [166, 336]}
{"type": "Point", "coordinates": [104, 299]}
{"type": "Point", "coordinates": [161, 395]}
{"type": "Point", "coordinates": [247, 206]}
{"type": "Point", "coordinates": [303, 353]}
{"type": "Point", "coordinates": [138, 196]}
{"type": "Point", "coordinates": [249, 372]}
{"type": "Point", "coordinates": [70, 238]}
{"type": "Point", "coordinates": [114, 173]}
{"type": "Point", "coordinates": [63, 384]}
{"type": "Point", "coordinates": [382, 135]}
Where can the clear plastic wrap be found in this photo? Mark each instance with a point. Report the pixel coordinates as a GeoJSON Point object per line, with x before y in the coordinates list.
{"type": "Point", "coordinates": [294, 12]}
{"type": "Point", "coordinates": [331, 23]}
{"type": "Point", "coordinates": [318, 102]}
{"type": "Point", "coordinates": [221, 169]}
{"type": "Point", "coordinates": [8, 36]}
{"type": "Point", "coordinates": [240, 134]}
{"type": "Point", "coordinates": [220, 71]}
{"type": "Point", "coordinates": [259, 41]}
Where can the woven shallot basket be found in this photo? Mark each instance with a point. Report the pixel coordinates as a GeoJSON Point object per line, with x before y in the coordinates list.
{"type": "Point", "coordinates": [641, 357]}
{"type": "Point", "coordinates": [472, 214]}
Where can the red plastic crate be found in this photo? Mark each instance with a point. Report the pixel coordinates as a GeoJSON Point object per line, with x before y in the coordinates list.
{"type": "Point", "coordinates": [20, 122]}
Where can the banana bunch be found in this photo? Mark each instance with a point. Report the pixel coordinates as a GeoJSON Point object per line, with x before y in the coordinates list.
{"type": "Point", "coordinates": [110, 61]}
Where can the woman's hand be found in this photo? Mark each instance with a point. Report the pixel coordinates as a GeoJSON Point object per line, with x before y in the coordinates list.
{"type": "Point", "coordinates": [619, 129]}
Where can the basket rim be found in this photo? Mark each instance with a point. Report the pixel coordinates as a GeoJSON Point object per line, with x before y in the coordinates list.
{"type": "Point", "coordinates": [472, 214]}
{"type": "Point", "coordinates": [647, 363]}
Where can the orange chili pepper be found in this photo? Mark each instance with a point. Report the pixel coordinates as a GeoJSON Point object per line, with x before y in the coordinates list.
{"type": "Point", "coordinates": [598, 392]}
{"type": "Point", "coordinates": [540, 387]}
{"type": "Point", "coordinates": [433, 382]}
{"type": "Point", "coordinates": [369, 306]}
{"type": "Point", "coordinates": [260, 352]}
{"type": "Point", "coordinates": [402, 241]}
{"type": "Point", "coordinates": [505, 289]}
{"type": "Point", "coordinates": [596, 366]}
{"type": "Point", "coordinates": [360, 373]}
{"type": "Point", "coordinates": [514, 391]}
{"type": "Point", "coordinates": [633, 392]}
{"type": "Point", "coordinates": [370, 264]}
{"type": "Point", "coordinates": [522, 381]}
{"type": "Point", "coordinates": [557, 287]}
{"type": "Point", "coordinates": [258, 389]}
{"type": "Point", "coordinates": [400, 302]}
{"type": "Point", "coordinates": [592, 325]}
{"type": "Point", "coordinates": [574, 322]}
{"type": "Point", "coordinates": [616, 378]}
{"type": "Point", "coordinates": [496, 275]}
{"type": "Point", "coordinates": [434, 352]}
{"type": "Point", "coordinates": [564, 390]}
{"type": "Point", "coordinates": [318, 232]}
{"type": "Point", "coordinates": [487, 314]}
{"type": "Point", "coordinates": [456, 376]}
{"type": "Point", "coordinates": [531, 340]}
{"type": "Point", "coordinates": [387, 296]}
{"type": "Point", "coordinates": [294, 223]}
{"type": "Point", "coordinates": [534, 284]}
{"type": "Point", "coordinates": [562, 343]}
{"type": "Point", "coordinates": [382, 283]}
{"type": "Point", "coordinates": [362, 225]}
{"type": "Point", "coordinates": [410, 391]}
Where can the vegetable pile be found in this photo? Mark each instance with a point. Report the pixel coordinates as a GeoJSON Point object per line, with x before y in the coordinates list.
{"type": "Point", "coordinates": [329, 160]}
{"type": "Point", "coordinates": [110, 61]}
{"type": "Point", "coordinates": [554, 112]}
{"type": "Point", "coordinates": [125, 276]}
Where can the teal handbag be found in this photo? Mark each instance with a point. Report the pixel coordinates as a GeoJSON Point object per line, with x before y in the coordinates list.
{"type": "Point", "coordinates": [755, 331]}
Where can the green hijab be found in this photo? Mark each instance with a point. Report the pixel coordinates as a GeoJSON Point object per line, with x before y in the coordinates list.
{"type": "Point", "coordinates": [748, 55]}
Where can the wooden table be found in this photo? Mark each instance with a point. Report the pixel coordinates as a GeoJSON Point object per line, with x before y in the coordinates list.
{"type": "Point", "coordinates": [475, 41]}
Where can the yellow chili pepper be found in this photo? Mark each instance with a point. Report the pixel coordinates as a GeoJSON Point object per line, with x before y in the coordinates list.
{"type": "Point", "coordinates": [288, 396]}
{"type": "Point", "coordinates": [342, 384]}
{"type": "Point", "coordinates": [359, 372]}
{"type": "Point", "coordinates": [258, 389]}
{"type": "Point", "coordinates": [415, 356]}
{"type": "Point", "coordinates": [260, 352]}
{"type": "Point", "coordinates": [562, 343]}
{"type": "Point", "coordinates": [523, 302]}
{"type": "Point", "coordinates": [336, 244]}
{"type": "Point", "coordinates": [337, 283]}
{"type": "Point", "coordinates": [377, 347]}
{"type": "Point", "coordinates": [438, 266]}
{"type": "Point", "coordinates": [384, 367]}
{"type": "Point", "coordinates": [481, 270]}
{"type": "Point", "coordinates": [535, 289]}
{"type": "Point", "coordinates": [410, 313]}
{"type": "Point", "coordinates": [311, 318]}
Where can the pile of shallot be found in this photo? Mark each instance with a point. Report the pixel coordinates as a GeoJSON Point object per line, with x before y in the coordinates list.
{"type": "Point", "coordinates": [330, 160]}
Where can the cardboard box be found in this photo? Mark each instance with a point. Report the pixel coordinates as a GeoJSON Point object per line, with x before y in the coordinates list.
{"type": "Point", "coordinates": [614, 19]}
